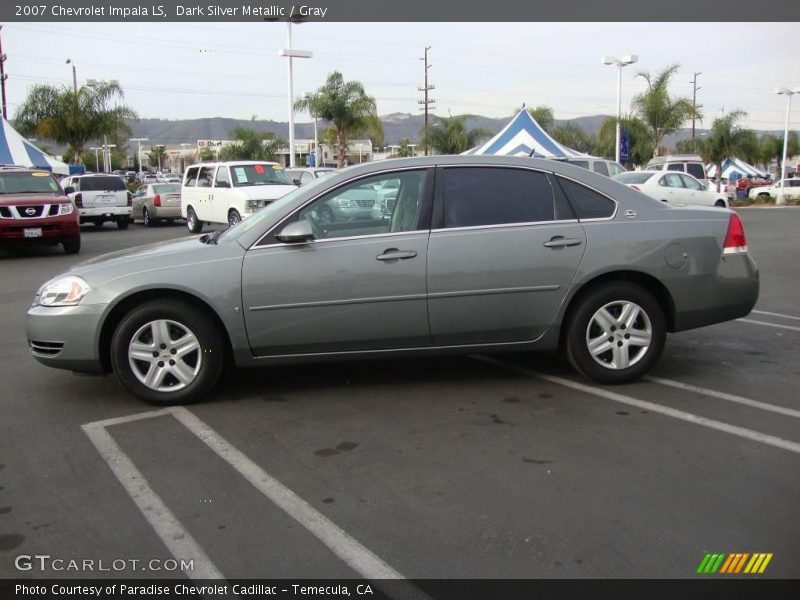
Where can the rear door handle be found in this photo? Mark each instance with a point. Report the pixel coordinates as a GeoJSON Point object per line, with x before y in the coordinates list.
{"type": "Point", "coordinates": [395, 254]}
{"type": "Point", "coordinates": [562, 242]}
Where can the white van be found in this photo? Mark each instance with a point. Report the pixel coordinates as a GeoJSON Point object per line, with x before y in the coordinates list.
{"type": "Point", "coordinates": [227, 192]}
{"type": "Point", "coordinates": [682, 163]}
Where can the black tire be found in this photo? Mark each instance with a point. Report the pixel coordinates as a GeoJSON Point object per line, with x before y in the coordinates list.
{"type": "Point", "coordinates": [234, 217]}
{"type": "Point", "coordinates": [192, 222]}
{"type": "Point", "coordinates": [72, 246]}
{"type": "Point", "coordinates": [207, 360]}
{"type": "Point", "coordinates": [720, 204]}
{"type": "Point", "coordinates": [583, 326]}
{"type": "Point", "coordinates": [98, 223]}
{"type": "Point", "coordinates": [123, 222]}
{"type": "Point", "coordinates": [146, 217]}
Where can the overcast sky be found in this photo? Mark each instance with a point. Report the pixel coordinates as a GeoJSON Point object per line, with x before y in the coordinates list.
{"type": "Point", "coordinates": [179, 71]}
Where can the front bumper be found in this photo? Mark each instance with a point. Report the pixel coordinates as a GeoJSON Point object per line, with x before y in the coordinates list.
{"type": "Point", "coordinates": [66, 337]}
{"type": "Point", "coordinates": [54, 230]}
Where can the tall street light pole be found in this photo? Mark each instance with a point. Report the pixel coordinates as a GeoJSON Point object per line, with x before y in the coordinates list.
{"type": "Point", "coordinates": [74, 77]}
{"type": "Point", "coordinates": [694, 105]}
{"type": "Point", "coordinates": [622, 61]}
{"type": "Point", "coordinates": [307, 98]}
{"type": "Point", "coordinates": [3, 75]}
{"type": "Point", "coordinates": [139, 153]}
{"type": "Point", "coordinates": [96, 158]}
{"type": "Point", "coordinates": [788, 93]}
{"type": "Point", "coordinates": [290, 53]}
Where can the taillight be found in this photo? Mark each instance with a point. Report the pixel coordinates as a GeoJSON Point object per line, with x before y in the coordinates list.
{"type": "Point", "coordinates": [130, 199]}
{"type": "Point", "coordinates": [735, 240]}
{"type": "Point", "coordinates": [78, 200]}
{"type": "Point", "coordinates": [157, 200]}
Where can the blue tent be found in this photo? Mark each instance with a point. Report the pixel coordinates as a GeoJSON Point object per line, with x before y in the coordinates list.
{"type": "Point", "coordinates": [522, 136]}
{"type": "Point", "coordinates": [16, 150]}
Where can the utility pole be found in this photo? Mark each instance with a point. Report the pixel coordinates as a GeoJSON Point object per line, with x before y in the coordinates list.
{"type": "Point", "coordinates": [427, 102]}
{"type": "Point", "coordinates": [3, 75]}
{"type": "Point", "coordinates": [694, 104]}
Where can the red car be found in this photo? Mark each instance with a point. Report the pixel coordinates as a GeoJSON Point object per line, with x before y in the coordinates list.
{"type": "Point", "coordinates": [35, 210]}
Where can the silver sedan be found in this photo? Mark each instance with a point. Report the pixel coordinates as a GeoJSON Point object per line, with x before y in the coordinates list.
{"type": "Point", "coordinates": [479, 254]}
{"type": "Point", "coordinates": [156, 202]}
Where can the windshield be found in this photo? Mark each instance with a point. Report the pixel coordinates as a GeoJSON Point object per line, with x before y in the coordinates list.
{"type": "Point", "coordinates": [37, 182]}
{"type": "Point", "coordinates": [633, 177]}
{"type": "Point", "coordinates": [259, 174]}
{"type": "Point", "coordinates": [101, 184]}
{"type": "Point", "coordinates": [167, 188]}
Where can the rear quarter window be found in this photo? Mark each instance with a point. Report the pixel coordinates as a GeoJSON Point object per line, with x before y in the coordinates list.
{"type": "Point", "coordinates": [587, 203]}
{"type": "Point", "coordinates": [696, 171]}
{"type": "Point", "coordinates": [191, 177]}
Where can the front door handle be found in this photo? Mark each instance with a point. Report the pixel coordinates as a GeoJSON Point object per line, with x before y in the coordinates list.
{"type": "Point", "coordinates": [395, 254]}
{"type": "Point", "coordinates": [561, 242]}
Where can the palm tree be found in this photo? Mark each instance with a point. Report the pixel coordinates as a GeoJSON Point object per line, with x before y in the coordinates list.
{"type": "Point", "coordinates": [253, 145]}
{"type": "Point", "coordinates": [661, 113]}
{"type": "Point", "coordinates": [450, 135]}
{"type": "Point", "coordinates": [59, 115]}
{"type": "Point", "coordinates": [346, 106]}
{"type": "Point", "coordinates": [640, 145]}
{"type": "Point", "coordinates": [726, 140]}
{"type": "Point", "coordinates": [404, 149]}
{"type": "Point", "coordinates": [544, 116]}
{"type": "Point", "coordinates": [573, 136]}
{"type": "Point", "coordinates": [772, 148]}
{"type": "Point", "coordinates": [157, 156]}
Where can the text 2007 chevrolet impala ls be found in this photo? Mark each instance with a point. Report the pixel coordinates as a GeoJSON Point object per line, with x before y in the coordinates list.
{"type": "Point", "coordinates": [472, 254]}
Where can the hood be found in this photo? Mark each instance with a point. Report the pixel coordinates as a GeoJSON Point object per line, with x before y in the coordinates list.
{"type": "Point", "coordinates": [265, 192]}
{"type": "Point", "coordinates": [22, 199]}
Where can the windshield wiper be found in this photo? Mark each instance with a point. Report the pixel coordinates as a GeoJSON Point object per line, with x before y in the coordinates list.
{"type": "Point", "coordinates": [211, 238]}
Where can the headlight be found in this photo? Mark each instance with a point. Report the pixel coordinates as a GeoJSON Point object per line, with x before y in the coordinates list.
{"type": "Point", "coordinates": [67, 291]}
{"type": "Point", "coordinates": [66, 209]}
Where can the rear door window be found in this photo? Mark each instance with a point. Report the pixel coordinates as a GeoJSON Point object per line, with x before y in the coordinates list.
{"type": "Point", "coordinates": [102, 184]}
{"type": "Point", "coordinates": [587, 203]}
{"type": "Point", "coordinates": [479, 196]}
{"type": "Point", "coordinates": [600, 167]}
{"type": "Point", "coordinates": [206, 177]}
{"type": "Point", "coordinates": [672, 180]}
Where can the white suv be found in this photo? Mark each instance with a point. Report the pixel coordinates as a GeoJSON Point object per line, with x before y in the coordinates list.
{"type": "Point", "coordinates": [99, 198]}
{"type": "Point", "coordinates": [227, 192]}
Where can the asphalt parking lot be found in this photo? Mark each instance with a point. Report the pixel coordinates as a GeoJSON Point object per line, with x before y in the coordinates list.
{"type": "Point", "coordinates": [468, 467]}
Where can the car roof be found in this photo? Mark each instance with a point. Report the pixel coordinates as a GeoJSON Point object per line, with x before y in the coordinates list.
{"type": "Point", "coordinates": [219, 163]}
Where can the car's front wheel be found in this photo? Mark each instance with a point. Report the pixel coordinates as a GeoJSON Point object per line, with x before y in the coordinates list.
{"type": "Point", "coordinates": [167, 352]}
{"type": "Point", "coordinates": [72, 246]}
{"type": "Point", "coordinates": [616, 334]}
{"type": "Point", "coordinates": [194, 224]}
{"type": "Point", "coordinates": [234, 217]}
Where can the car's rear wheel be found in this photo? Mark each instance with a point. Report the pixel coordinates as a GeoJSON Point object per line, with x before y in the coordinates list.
{"type": "Point", "coordinates": [616, 333]}
{"type": "Point", "coordinates": [192, 222]}
{"type": "Point", "coordinates": [167, 352]}
{"type": "Point", "coordinates": [146, 218]}
{"type": "Point", "coordinates": [98, 223]}
{"type": "Point", "coordinates": [234, 217]}
{"type": "Point", "coordinates": [72, 246]}
{"type": "Point", "coordinates": [720, 203]}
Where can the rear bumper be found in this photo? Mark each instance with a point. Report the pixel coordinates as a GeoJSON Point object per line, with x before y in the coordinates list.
{"type": "Point", "coordinates": [108, 212]}
{"type": "Point", "coordinates": [730, 293]}
{"type": "Point", "coordinates": [165, 212]}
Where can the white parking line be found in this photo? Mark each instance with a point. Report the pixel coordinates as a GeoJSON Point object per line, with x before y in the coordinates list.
{"type": "Point", "coordinates": [183, 546]}
{"type": "Point", "coordinates": [742, 432]}
{"type": "Point", "coordinates": [769, 324]}
{"type": "Point", "coordinates": [781, 410]}
{"type": "Point", "coordinates": [178, 541]}
{"type": "Point", "coordinates": [773, 314]}
{"type": "Point", "coordinates": [347, 548]}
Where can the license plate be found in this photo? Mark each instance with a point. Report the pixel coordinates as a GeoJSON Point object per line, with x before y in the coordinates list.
{"type": "Point", "coordinates": [103, 198]}
{"type": "Point", "coordinates": [33, 233]}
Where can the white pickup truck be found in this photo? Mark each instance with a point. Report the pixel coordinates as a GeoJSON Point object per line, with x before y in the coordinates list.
{"type": "Point", "coordinates": [99, 198]}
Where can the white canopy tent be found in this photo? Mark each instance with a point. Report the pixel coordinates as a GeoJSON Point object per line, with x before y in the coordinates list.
{"type": "Point", "coordinates": [735, 168]}
{"type": "Point", "coordinates": [16, 150]}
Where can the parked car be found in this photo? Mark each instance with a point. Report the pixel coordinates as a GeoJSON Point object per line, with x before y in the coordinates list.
{"type": "Point", "coordinates": [501, 254]}
{"type": "Point", "coordinates": [99, 198]}
{"type": "Point", "coordinates": [156, 202]}
{"type": "Point", "coordinates": [692, 164]}
{"type": "Point", "coordinates": [304, 176]}
{"type": "Point", "coordinates": [227, 192]}
{"type": "Point", "coordinates": [172, 178]}
{"type": "Point", "coordinates": [606, 167]}
{"type": "Point", "coordinates": [790, 189]}
{"type": "Point", "coordinates": [148, 178]}
{"type": "Point", "coordinates": [672, 188]}
{"type": "Point", "coordinates": [35, 210]}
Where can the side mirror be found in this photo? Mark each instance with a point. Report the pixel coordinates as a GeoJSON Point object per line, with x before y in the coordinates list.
{"type": "Point", "coordinates": [299, 231]}
{"type": "Point", "coordinates": [69, 190]}
{"type": "Point", "coordinates": [296, 182]}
